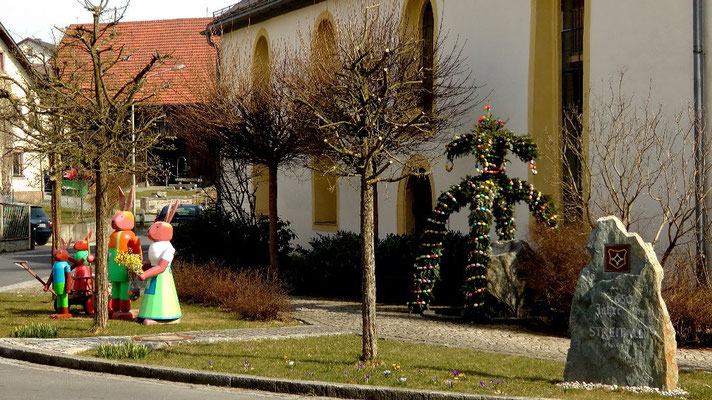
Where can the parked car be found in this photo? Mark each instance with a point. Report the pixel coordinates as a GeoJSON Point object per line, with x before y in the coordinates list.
{"type": "Point", "coordinates": [185, 213]}
{"type": "Point", "coordinates": [41, 226]}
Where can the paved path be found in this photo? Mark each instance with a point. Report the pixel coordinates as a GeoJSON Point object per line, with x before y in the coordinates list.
{"type": "Point", "coordinates": [326, 318]}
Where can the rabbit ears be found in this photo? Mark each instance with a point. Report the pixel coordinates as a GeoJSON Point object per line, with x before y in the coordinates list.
{"type": "Point", "coordinates": [65, 245]}
{"type": "Point", "coordinates": [125, 204]}
{"type": "Point", "coordinates": [86, 239]}
{"type": "Point", "coordinates": [172, 211]}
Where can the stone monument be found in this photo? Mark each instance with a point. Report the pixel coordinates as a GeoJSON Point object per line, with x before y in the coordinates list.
{"type": "Point", "coordinates": [621, 332]}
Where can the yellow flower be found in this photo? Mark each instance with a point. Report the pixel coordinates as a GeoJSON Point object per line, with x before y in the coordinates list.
{"type": "Point", "coordinates": [130, 261]}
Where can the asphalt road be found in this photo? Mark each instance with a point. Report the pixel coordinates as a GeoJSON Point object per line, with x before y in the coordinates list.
{"type": "Point", "coordinates": [20, 380]}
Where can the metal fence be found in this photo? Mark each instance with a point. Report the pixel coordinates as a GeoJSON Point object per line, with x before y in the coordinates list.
{"type": "Point", "coordinates": [14, 222]}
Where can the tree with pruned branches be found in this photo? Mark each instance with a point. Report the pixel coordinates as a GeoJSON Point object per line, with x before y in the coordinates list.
{"type": "Point", "coordinates": [81, 108]}
{"type": "Point", "coordinates": [245, 113]}
{"type": "Point", "coordinates": [370, 104]}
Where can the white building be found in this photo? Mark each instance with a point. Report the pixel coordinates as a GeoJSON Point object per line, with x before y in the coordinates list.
{"type": "Point", "coordinates": [20, 173]}
{"type": "Point", "coordinates": [537, 57]}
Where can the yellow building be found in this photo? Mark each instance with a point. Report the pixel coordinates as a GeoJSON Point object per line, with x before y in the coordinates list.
{"type": "Point", "coordinates": [535, 59]}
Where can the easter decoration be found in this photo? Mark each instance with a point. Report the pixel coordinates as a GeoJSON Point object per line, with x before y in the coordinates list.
{"type": "Point", "coordinates": [491, 195]}
{"type": "Point", "coordinates": [123, 240]}
{"type": "Point", "coordinates": [82, 284]}
{"type": "Point", "coordinates": [61, 281]}
{"type": "Point", "coordinates": [160, 299]}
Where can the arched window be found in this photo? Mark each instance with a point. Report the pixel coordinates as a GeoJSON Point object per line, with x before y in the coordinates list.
{"type": "Point", "coordinates": [428, 56]}
{"type": "Point", "coordinates": [260, 63]}
{"type": "Point", "coordinates": [325, 187]}
{"type": "Point", "coordinates": [260, 78]}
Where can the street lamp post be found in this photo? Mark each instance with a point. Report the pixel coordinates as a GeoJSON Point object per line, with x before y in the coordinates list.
{"type": "Point", "coordinates": [133, 139]}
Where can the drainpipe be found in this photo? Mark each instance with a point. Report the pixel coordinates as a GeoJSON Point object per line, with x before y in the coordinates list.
{"type": "Point", "coordinates": [701, 184]}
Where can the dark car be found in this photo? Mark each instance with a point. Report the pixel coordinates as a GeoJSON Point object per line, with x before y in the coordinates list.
{"type": "Point", "coordinates": [185, 213]}
{"type": "Point", "coordinates": [41, 226]}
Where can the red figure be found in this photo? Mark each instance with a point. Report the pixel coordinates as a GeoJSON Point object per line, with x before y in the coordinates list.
{"type": "Point", "coordinates": [81, 280]}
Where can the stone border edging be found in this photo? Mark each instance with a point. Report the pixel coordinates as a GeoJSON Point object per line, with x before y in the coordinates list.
{"type": "Point", "coordinates": [288, 386]}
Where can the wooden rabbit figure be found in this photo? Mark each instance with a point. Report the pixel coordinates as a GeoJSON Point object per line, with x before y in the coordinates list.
{"type": "Point", "coordinates": [61, 281]}
{"type": "Point", "coordinates": [82, 278]}
{"type": "Point", "coordinates": [123, 239]}
{"type": "Point", "coordinates": [160, 299]}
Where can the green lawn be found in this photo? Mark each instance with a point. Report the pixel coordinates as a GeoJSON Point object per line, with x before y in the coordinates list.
{"type": "Point", "coordinates": [23, 309]}
{"type": "Point", "coordinates": [335, 358]}
{"type": "Point", "coordinates": [70, 215]}
{"type": "Point", "coordinates": [169, 193]}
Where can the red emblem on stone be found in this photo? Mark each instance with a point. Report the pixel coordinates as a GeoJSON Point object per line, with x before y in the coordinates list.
{"type": "Point", "coordinates": [617, 258]}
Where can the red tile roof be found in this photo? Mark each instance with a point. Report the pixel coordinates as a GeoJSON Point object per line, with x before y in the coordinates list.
{"type": "Point", "coordinates": [139, 40]}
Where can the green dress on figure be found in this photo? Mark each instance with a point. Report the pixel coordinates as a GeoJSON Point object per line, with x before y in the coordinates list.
{"type": "Point", "coordinates": [160, 299]}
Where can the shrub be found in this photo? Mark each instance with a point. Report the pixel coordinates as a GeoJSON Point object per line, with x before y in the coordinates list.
{"type": "Point", "coordinates": [249, 294]}
{"type": "Point", "coordinates": [123, 350]}
{"type": "Point", "coordinates": [35, 330]}
{"type": "Point", "coordinates": [331, 267]}
{"type": "Point", "coordinates": [689, 304]}
{"type": "Point", "coordinates": [552, 274]}
{"type": "Point", "coordinates": [216, 235]}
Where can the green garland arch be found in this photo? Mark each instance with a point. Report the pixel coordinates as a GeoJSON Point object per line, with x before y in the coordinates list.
{"type": "Point", "coordinates": [491, 195]}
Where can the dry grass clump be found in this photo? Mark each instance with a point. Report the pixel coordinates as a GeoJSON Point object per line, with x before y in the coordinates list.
{"type": "Point", "coordinates": [249, 294]}
{"type": "Point", "coordinates": [552, 274]}
{"type": "Point", "coordinates": [689, 304]}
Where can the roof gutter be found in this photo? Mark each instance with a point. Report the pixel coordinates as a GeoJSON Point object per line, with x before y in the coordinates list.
{"type": "Point", "coordinates": [14, 49]}
{"type": "Point", "coordinates": [701, 139]}
{"type": "Point", "coordinates": [261, 11]}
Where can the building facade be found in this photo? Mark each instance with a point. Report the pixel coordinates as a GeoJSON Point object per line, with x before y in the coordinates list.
{"type": "Point", "coordinates": [534, 59]}
{"type": "Point", "coordinates": [21, 177]}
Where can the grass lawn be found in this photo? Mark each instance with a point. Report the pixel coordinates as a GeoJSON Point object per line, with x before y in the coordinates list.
{"type": "Point", "coordinates": [169, 193]}
{"type": "Point", "coordinates": [335, 358]}
{"type": "Point", "coordinates": [26, 308]}
{"type": "Point", "coordinates": [70, 215]}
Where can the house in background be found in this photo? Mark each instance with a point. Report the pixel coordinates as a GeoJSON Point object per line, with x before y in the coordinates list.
{"type": "Point", "coordinates": [20, 173]}
{"type": "Point", "coordinates": [191, 61]}
{"type": "Point", "coordinates": [38, 52]}
{"type": "Point", "coordinates": [536, 59]}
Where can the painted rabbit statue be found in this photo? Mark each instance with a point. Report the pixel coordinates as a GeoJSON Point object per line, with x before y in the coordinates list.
{"type": "Point", "coordinates": [123, 239]}
{"type": "Point", "coordinates": [82, 278]}
{"type": "Point", "coordinates": [61, 281]}
{"type": "Point", "coordinates": [160, 299]}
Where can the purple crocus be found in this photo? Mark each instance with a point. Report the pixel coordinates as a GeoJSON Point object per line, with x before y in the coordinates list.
{"type": "Point", "coordinates": [484, 385]}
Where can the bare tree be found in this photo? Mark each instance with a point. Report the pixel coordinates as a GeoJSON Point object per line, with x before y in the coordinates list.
{"type": "Point", "coordinates": [637, 163]}
{"type": "Point", "coordinates": [247, 112]}
{"type": "Point", "coordinates": [371, 104]}
{"type": "Point", "coordinates": [93, 103]}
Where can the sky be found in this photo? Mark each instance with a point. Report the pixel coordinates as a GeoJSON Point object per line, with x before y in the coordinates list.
{"type": "Point", "coordinates": [37, 18]}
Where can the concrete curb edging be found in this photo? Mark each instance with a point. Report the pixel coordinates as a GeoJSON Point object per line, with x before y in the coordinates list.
{"type": "Point", "coordinates": [288, 386]}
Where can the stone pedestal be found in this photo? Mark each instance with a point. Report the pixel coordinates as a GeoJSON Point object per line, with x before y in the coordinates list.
{"type": "Point", "coordinates": [621, 332]}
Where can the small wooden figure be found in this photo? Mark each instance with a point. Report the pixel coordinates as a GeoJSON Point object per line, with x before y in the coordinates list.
{"type": "Point", "coordinates": [61, 280]}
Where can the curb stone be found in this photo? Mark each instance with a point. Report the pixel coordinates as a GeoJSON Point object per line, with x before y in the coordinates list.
{"type": "Point", "coordinates": [287, 386]}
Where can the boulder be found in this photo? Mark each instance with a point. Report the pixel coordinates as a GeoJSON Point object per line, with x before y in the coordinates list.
{"type": "Point", "coordinates": [506, 284]}
{"type": "Point", "coordinates": [621, 332]}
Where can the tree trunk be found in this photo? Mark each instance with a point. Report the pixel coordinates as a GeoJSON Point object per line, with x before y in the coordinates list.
{"type": "Point", "coordinates": [368, 265]}
{"type": "Point", "coordinates": [273, 234]}
{"type": "Point", "coordinates": [56, 201]}
{"type": "Point", "coordinates": [101, 284]}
